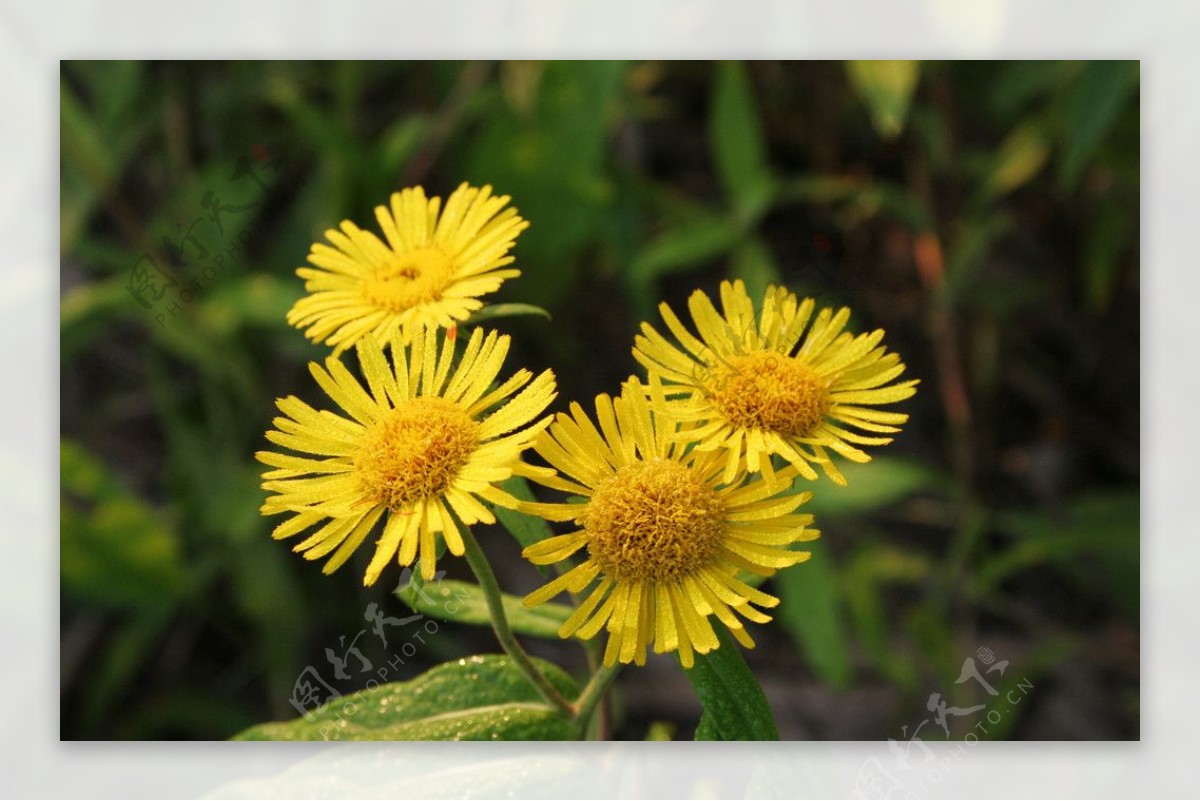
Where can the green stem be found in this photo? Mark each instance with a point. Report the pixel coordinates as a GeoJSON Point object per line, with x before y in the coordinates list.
{"type": "Point", "coordinates": [601, 680]}
{"type": "Point", "coordinates": [491, 592]}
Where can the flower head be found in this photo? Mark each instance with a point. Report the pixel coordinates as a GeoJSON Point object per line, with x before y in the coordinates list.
{"type": "Point", "coordinates": [418, 450]}
{"type": "Point", "coordinates": [430, 272]}
{"type": "Point", "coordinates": [785, 382]}
{"type": "Point", "coordinates": [664, 538]}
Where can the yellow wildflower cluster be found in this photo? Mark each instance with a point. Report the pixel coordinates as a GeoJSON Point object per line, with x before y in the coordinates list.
{"type": "Point", "coordinates": [685, 482]}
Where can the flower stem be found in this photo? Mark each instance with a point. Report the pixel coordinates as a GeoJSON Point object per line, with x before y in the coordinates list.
{"type": "Point", "coordinates": [491, 592]}
{"type": "Point", "coordinates": [601, 680]}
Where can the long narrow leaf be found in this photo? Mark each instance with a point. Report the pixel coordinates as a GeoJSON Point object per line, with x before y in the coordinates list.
{"type": "Point", "coordinates": [478, 698]}
{"type": "Point", "coordinates": [526, 529]}
{"type": "Point", "coordinates": [811, 611]}
{"type": "Point", "coordinates": [733, 701]}
{"type": "Point", "coordinates": [739, 149]}
{"type": "Point", "coordinates": [463, 602]}
{"type": "Point", "coordinates": [886, 88]}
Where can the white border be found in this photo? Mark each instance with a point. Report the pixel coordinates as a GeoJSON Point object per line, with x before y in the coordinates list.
{"type": "Point", "coordinates": [33, 37]}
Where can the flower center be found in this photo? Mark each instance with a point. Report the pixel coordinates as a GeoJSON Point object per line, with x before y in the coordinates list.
{"type": "Point", "coordinates": [653, 520]}
{"type": "Point", "coordinates": [409, 279]}
{"type": "Point", "coordinates": [415, 451]}
{"type": "Point", "coordinates": [769, 391]}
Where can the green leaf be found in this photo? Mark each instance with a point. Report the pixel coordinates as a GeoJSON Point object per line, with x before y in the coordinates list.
{"type": "Point", "coordinates": [497, 310]}
{"type": "Point", "coordinates": [88, 309]}
{"type": "Point", "coordinates": [550, 158]}
{"type": "Point", "coordinates": [968, 250]}
{"type": "Point", "coordinates": [112, 671]}
{"type": "Point", "coordinates": [1092, 108]}
{"type": "Point", "coordinates": [113, 88]}
{"type": "Point", "coordinates": [198, 709]}
{"type": "Point", "coordinates": [222, 363]}
{"type": "Point", "coordinates": [254, 300]}
{"type": "Point", "coordinates": [882, 481]}
{"type": "Point", "coordinates": [83, 144]}
{"type": "Point", "coordinates": [865, 578]}
{"type": "Point", "coordinates": [398, 143]}
{"type": "Point", "coordinates": [732, 697]}
{"type": "Point", "coordinates": [1096, 543]}
{"type": "Point", "coordinates": [1022, 154]}
{"type": "Point", "coordinates": [463, 602]}
{"type": "Point", "coordinates": [754, 264]}
{"type": "Point", "coordinates": [477, 698]}
{"type": "Point", "coordinates": [684, 246]}
{"type": "Point", "coordinates": [694, 237]}
{"type": "Point", "coordinates": [263, 584]}
{"type": "Point", "coordinates": [886, 88]}
{"type": "Point", "coordinates": [660, 731]}
{"type": "Point", "coordinates": [1107, 232]}
{"type": "Point", "coordinates": [115, 550]}
{"type": "Point", "coordinates": [811, 610]}
{"type": "Point", "coordinates": [526, 529]}
{"type": "Point", "coordinates": [827, 189]}
{"type": "Point", "coordinates": [737, 140]}
{"type": "Point", "coordinates": [1018, 84]}
{"type": "Point", "coordinates": [97, 137]}
{"type": "Point", "coordinates": [860, 199]}
{"type": "Point", "coordinates": [706, 730]}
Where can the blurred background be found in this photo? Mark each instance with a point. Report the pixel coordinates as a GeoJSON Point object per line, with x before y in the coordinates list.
{"type": "Point", "coordinates": [985, 214]}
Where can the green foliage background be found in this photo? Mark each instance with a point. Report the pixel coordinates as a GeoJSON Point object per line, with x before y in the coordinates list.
{"type": "Point", "coordinates": [984, 213]}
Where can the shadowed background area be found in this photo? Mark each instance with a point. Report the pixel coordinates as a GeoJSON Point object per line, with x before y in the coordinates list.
{"type": "Point", "coordinates": [985, 214]}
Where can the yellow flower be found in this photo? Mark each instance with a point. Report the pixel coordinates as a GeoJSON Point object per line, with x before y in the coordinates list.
{"type": "Point", "coordinates": [431, 272]}
{"type": "Point", "coordinates": [762, 386]}
{"type": "Point", "coordinates": [664, 537]}
{"type": "Point", "coordinates": [418, 449]}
